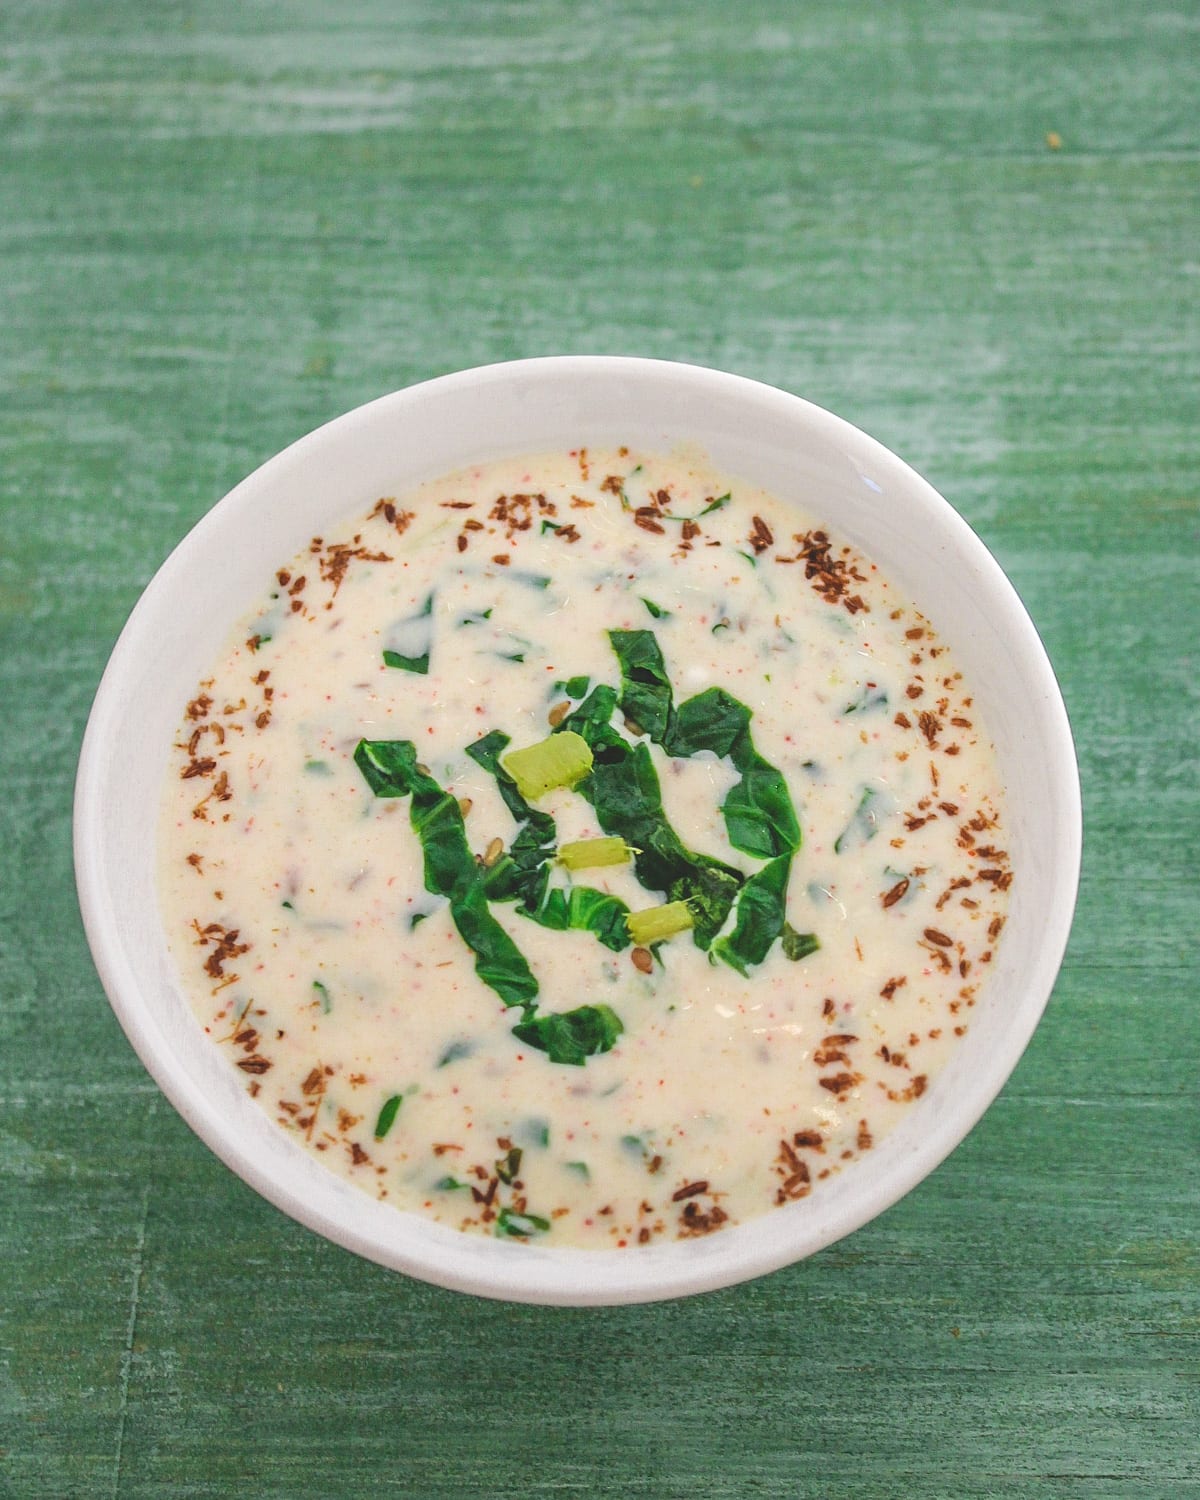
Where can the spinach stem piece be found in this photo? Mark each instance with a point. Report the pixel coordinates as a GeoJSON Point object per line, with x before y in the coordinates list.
{"type": "Point", "coordinates": [559, 760]}
{"type": "Point", "coordinates": [594, 854]}
{"type": "Point", "coordinates": [658, 922]}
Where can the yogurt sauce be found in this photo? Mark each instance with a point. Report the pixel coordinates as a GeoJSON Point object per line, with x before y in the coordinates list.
{"type": "Point", "coordinates": [341, 987]}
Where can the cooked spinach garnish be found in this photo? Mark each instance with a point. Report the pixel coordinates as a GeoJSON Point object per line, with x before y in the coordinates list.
{"type": "Point", "coordinates": [419, 664]}
{"type": "Point", "coordinates": [761, 916]}
{"type": "Point", "coordinates": [657, 612]}
{"type": "Point", "coordinates": [323, 996]}
{"type": "Point", "coordinates": [623, 787]}
{"type": "Point", "coordinates": [645, 687]}
{"type": "Point", "coordinates": [758, 811]}
{"type": "Point", "coordinates": [712, 720]}
{"type": "Point", "coordinates": [584, 909]}
{"type": "Point", "coordinates": [759, 815]}
{"type": "Point", "coordinates": [523, 871]}
{"type": "Point", "coordinates": [572, 1036]}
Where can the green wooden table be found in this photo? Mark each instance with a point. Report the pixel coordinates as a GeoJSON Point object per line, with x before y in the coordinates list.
{"type": "Point", "coordinates": [971, 229]}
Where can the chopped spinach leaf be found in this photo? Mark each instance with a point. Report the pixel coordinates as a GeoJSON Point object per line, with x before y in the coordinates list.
{"type": "Point", "coordinates": [387, 1116]}
{"type": "Point", "coordinates": [657, 612]}
{"type": "Point", "coordinates": [712, 720]}
{"type": "Point", "coordinates": [323, 996]}
{"type": "Point", "coordinates": [797, 945]}
{"type": "Point", "coordinates": [587, 910]}
{"type": "Point", "coordinates": [572, 1036]}
{"type": "Point", "coordinates": [758, 811]}
{"type": "Point", "coordinates": [761, 917]}
{"type": "Point", "coordinates": [645, 686]}
{"type": "Point", "coordinates": [419, 664]}
{"type": "Point", "coordinates": [623, 788]}
{"type": "Point", "coordinates": [520, 1226]}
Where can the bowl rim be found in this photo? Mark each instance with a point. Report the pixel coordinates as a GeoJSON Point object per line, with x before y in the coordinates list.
{"type": "Point", "coordinates": [567, 1276]}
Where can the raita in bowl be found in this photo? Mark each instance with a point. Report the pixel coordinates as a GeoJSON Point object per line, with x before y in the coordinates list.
{"type": "Point", "coordinates": [616, 833]}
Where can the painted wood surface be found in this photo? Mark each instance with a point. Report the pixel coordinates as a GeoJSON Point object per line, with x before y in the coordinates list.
{"type": "Point", "coordinates": [970, 228]}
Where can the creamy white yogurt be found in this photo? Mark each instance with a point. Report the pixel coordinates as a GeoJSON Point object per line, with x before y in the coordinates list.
{"type": "Point", "coordinates": [316, 958]}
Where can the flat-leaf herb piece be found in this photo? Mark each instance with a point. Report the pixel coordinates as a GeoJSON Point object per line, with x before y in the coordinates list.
{"type": "Point", "coordinates": [323, 996]}
{"type": "Point", "coordinates": [658, 922]}
{"type": "Point", "coordinates": [645, 687]}
{"type": "Point", "coordinates": [594, 854]}
{"type": "Point", "coordinates": [559, 760]}
{"type": "Point", "coordinates": [387, 1116]}
{"type": "Point", "coordinates": [657, 612]}
{"type": "Point", "coordinates": [572, 1036]}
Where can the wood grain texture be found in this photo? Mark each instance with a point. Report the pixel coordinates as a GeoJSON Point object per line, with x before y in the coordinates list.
{"type": "Point", "coordinates": [221, 224]}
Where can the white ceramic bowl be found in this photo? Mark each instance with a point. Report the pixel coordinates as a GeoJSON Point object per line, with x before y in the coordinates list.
{"type": "Point", "coordinates": [760, 434]}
